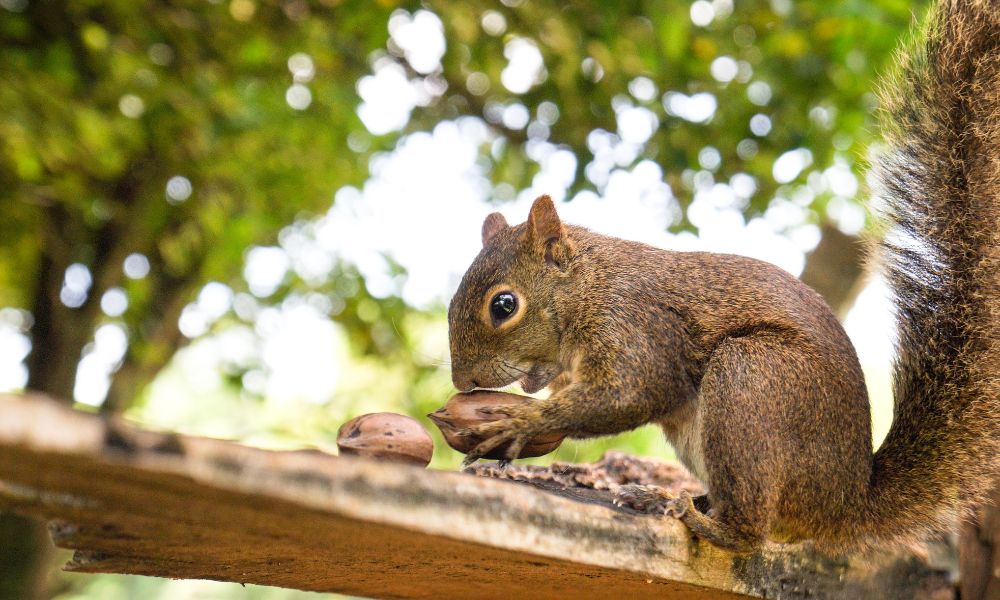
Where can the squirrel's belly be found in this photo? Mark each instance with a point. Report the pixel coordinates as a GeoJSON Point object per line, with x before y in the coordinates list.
{"type": "Point", "coordinates": [683, 431]}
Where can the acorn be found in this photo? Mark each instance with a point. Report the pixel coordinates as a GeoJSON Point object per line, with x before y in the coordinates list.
{"type": "Point", "coordinates": [386, 436]}
{"type": "Point", "coordinates": [463, 411]}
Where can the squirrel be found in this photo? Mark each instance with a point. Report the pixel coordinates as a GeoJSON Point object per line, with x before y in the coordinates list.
{"type": "Point", "coordinates": [747, 370]}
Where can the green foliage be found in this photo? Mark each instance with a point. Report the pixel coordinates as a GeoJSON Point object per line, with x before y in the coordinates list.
{"type": "Point", "coordinates": [104, 104]}
{"type": "Point", "coordinates": [817, 59]}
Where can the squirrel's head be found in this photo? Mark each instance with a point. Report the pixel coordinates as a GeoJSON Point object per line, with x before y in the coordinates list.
{"type": "Point", "coordinates": [501, 324]}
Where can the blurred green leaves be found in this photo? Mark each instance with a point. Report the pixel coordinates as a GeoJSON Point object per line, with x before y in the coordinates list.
{"type": "Point", "coordinates": [105, 104]}
{"type": "Point", "coordinates": [806, 66]}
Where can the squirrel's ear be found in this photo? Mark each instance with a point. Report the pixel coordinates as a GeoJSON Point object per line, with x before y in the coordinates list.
{"type": "Point", "coordinates": [548, 233]}
{"type": "Point", "coordinates": [543, 221]}
{"type": "Point", "coordinates": [494, 224]}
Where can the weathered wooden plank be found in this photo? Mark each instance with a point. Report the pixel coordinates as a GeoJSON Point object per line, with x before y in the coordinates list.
{"type": "Point", "coordinates": [132, 501]}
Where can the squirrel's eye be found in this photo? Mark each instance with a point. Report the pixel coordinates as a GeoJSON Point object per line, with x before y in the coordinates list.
{"type": "Point", "coordinates": [503, 306]}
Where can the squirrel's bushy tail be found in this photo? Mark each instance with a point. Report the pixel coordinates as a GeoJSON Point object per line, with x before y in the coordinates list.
{"type": "Point", "coordinates": [940, 181]}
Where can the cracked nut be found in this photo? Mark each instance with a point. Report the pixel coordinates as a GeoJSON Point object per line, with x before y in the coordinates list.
{"type": "Point", "coordinates": [465, 410]}
{"type": "Point", "coordinates": [386, 436]}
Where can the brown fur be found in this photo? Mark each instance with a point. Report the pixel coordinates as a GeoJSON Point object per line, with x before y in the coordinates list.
{"type": "Point", "coordinates": [747, 369]}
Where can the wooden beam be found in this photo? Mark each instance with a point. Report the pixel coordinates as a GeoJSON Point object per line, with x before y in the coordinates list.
{"type": "Point", "coordinates": [138, 502]}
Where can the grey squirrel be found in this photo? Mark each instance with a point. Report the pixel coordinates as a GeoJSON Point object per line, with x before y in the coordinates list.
{"type": "Point", "coordinates": [746, 369]}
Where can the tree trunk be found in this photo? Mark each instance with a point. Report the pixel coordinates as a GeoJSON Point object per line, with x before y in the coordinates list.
{"type": "Point", "coordinates": [25, 558]}
{"type": "Point", "coordinates": [836, 269]}
{"type": "Point", "coordinates": [57, 337]}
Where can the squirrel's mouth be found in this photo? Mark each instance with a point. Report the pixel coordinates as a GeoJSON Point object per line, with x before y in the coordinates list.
{"type": "Point", "coordinates": [538, 376]}
{"type": "Point", "coordinates": [530, 376]}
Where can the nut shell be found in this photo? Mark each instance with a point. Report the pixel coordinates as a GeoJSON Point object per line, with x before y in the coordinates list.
{"type": "Point", "coordinates": [386, 436]}
{"type": "Point", "coordinates": [463, 411]}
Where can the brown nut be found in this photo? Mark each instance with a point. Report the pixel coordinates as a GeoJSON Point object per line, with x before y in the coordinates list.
{"type": "Point", "coordinates": [463, 411]}
{"type": "Point", "coordinates": [386, 436]}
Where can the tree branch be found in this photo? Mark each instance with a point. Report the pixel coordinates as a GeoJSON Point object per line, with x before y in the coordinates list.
{"type": "Point", "coordinates": [133, 501]}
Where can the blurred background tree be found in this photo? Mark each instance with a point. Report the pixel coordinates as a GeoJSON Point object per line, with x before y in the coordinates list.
{"type": "Point", "coordinates": [167, 172]}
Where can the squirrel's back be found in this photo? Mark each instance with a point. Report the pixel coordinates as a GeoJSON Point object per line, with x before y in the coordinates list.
{"type": "Point", "coordinates": [716, 295]}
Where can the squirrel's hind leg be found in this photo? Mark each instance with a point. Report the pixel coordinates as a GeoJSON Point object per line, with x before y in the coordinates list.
{"type": "Point", "coordinates": [650, 499]}
{"type": "Point", "coordinates": [744, 387]}
{"type": "Point", "coordinates": [711, 528]}
{"type": "Point", "coordinates": [653, 499]}
{"type": "Point", "coordinates": [690, 510]}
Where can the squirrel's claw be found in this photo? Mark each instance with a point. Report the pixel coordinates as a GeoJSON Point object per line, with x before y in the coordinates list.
{"type": "Point", "coordinates": [643, 498]}
{"type": "Point", "coordinates": [515, 448]}
{"type": "Point", "coordinates": [516, 429]}
{"type": "Point", "coordinates": [486, 446]}
{"type": "Point", "coordinates": [680, 506]}
{"type": "Point", "coordinates": [494, 434]}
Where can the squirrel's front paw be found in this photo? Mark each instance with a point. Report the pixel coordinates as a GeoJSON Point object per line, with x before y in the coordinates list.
{"type": "Point", "coordinates": [515, 431]}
